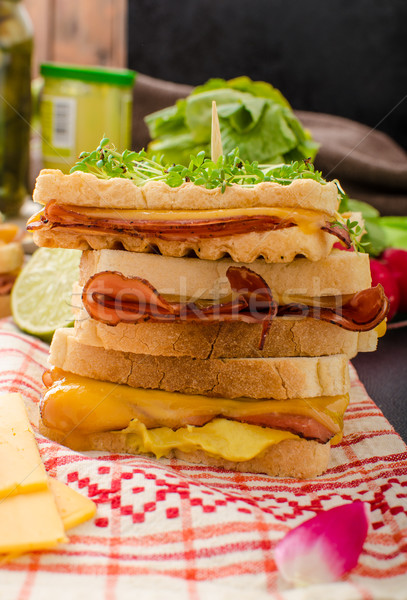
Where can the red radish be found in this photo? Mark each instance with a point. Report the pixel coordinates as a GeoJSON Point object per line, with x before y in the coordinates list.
{"type": "Point", "coordinates": [382, 274]}
{"type": "Point", "coordinates": [396, 260]}
{"type": "Point", "coordinates": [341, 246]}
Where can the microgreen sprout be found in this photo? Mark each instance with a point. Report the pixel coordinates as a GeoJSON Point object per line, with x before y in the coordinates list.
{"type": "Point", "coordinates": [106, 162]}
{"type": "Point", "coordinates": [355, 230]}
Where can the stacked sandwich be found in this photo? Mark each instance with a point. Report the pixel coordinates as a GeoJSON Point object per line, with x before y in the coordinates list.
{"type": "Point", "coordinates": [11, 261]}
{"type": "Point", "coordinates": [213, 323]}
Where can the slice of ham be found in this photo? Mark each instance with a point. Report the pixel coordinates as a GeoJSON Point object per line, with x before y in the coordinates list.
{"type": "Point", "coordinates": [59, 215]}
{"type": "Point", "coordinates": [112, 298]}
{"type": "Point", "coordinates": [6, 283]}
{"type": "Point", "coordinates": [362, 312]}
{"type": "Point", "coordinates": [339, 231]}
{"type": "Point", "coordinates": [301, 425]}
{"type": "Point", "coordinates": [304, 426]}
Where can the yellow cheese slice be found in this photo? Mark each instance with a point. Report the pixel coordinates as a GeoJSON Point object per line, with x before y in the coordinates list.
{"type": "Point", "coordinates": [8, 231]}
{"type": "Point", "coordinates": [34, 511]}
{"type": "Point", "coordinates": [30, 522]}
{"type": "Point", "coordinates": [21, 468]}
{"type": "Point", "coordinates": [73, 508]}
{"type": "Point", "coordinates": [41, 533]}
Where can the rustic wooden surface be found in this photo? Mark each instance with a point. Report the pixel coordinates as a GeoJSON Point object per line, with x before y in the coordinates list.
{"type": "Point", "coordinates": [86, 32]}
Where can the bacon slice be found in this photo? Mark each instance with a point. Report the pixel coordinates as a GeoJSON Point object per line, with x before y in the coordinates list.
{"type": "Point", "coordinates": [6, 283]}
{"type": "Point", "coordinates": [342, 233]}
{"type": "Point", "coordinates": [58, 215]}
{"type": "Point", "coordinates": [362, 312]}
{"type": "Point", "coordinates": [111, 298]}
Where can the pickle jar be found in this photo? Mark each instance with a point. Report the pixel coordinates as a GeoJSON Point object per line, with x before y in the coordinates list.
{"type": "Point", "coordinates": [80, 105]}
{"type": "Point", "coordinates": [16, 44]}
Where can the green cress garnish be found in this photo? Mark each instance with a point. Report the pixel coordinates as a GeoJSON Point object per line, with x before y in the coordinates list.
{"type": "Point", "coordinates": [105, 162]}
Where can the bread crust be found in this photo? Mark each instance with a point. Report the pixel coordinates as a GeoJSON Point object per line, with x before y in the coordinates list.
{"type": "Point", "coordinates": [302, 459]}
{"type": "Point", "coordinates": [192, 278]}
{"type": "Point", "coordinates": [287, 337]}
{"type": "Point", "coordinates": [11, 257]}
{"type": "Point", "coordinates": [85, 189]}
{"type": "Point", "coordinates": [278, 378]}
{"type": "Point", "coordinates": [279, 246]}
{"type": "Point", "coordinates": [5, 305]}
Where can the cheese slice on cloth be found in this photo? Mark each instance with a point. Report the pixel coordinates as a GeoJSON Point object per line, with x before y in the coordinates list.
{"type": "Point", "coordinates": [30, 522]}
{"type": "Point", "coordinates": [21, 468]}
{"type": "Point", "coordinates": [73, 508]}
{"type": "Point", "coordinates": [19, 513]}
{"type": "Point", "coordinates": [35, 510]}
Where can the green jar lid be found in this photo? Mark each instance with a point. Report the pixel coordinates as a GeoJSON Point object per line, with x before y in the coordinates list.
{"type": "Point", "coordinates": [93, 74]}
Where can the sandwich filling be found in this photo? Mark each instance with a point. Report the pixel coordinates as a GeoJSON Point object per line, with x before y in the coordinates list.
{"type": "Point", "coordinates": [6, 283]}
{"type": "Point", "coordinates": [12, 256]}
{"type": "Point", "coordinates": [184, 225]}
{"type": "Point", "coordinates": [79, 406]}
{"type": "Point", "coordinates": [110, 297]}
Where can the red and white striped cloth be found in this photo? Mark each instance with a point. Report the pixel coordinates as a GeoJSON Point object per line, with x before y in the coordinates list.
{"type": "Point", "coordinates": [167, 530]}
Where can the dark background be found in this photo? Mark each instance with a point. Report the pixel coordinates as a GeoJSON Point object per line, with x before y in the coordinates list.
{"type": "Point", "coordinates": [342, 57]}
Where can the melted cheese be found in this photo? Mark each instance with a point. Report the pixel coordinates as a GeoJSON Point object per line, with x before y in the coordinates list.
{"type": "Point", "coordinates": [308, 221]}
{"type": "Point", "coordinates": [381, 328]}
{"type": "Point", "coordinates": [230, 440]}
{"type": "Point", "coordinates": [21, 468]}
{"type": "Point", "coordinates": [77, 406]}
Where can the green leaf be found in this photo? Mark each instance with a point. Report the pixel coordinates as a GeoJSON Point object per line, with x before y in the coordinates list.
{"type": "Point", "coordinates": [366, 209]}
{"type": "Point", "coordinates": [253, 116]}
{"type": "Point", "coordinates": [375, 237]}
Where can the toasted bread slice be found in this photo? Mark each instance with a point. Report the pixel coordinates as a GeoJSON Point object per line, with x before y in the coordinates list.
{"type": "Point", "coordinates": [278, 378]}
{"type": "Point", "coordinates": [340, 273]}
{"type": "Point", "coordinates": [287, 337]}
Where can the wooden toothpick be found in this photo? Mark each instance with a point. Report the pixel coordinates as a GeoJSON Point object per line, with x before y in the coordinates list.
{"type": "Point", "coordinates": [216, 140]}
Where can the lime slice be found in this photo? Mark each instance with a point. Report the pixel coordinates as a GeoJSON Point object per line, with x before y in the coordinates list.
{"type": "Point", "coordinates": [41, 297]}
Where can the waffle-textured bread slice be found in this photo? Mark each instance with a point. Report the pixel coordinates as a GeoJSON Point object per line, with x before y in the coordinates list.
{"type": "Point", "coordinates": [86, 190]}
{"type": "Point", "coordinates": [280, 246]}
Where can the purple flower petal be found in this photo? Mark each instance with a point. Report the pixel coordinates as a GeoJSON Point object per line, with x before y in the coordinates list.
{"type": "Point", "coordinates": [325, 547]}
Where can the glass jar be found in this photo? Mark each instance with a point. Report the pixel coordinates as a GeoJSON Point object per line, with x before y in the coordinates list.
{"type": "Point", "coordinates": [80, 106]}
{"type": "Point", "coordinates": [16, 44]}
